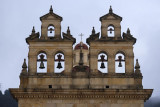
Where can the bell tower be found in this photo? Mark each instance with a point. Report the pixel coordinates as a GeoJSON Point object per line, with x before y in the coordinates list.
{"type": "Point", "coordinates": [112, 46]}
{"type": "Point", "coordinates": [110, 25]}
{"type": "Point", "coordinates": [51, 24]}
{"type": "Point", "coordinates": [50, 51]}
{"type": "Point", "coordinates": [83, 76]}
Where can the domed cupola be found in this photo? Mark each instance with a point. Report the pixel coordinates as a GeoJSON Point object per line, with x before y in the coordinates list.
{"type": "Point", "coordinates": [76, 54]}
{"type": "Point", "coordinates": [78, 46]}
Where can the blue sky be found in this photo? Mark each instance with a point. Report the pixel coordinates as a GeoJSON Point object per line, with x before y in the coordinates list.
{"type": "Point", "coordinates": [19, 16]}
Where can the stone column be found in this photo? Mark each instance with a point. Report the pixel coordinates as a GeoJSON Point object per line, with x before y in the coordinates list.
{"type": "Point", "coordinates": [44, 31]}
{"type": "Point", "coordinates": [117, 31]}
{"type": "Point", "coordinates": [111, 64]}
{"type": "Point", "coordinates": [32, 64]}
{"type": "Point", "coordinates": [50, 64]}
{"type": "Point", "coordinates": [57, 31]}
{"type": "Point", "coordinates": [77, 58]}
{"type": "Point", "coordinates": [104, 31]}
{"type": "Point", "coordinates": [129, 64]}
{"type": "Point", "coordinates": [68, 63]}
{"type": "Point", "coordinates": [94, 62]}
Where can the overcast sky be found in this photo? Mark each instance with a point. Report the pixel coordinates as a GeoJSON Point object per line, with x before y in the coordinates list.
{"type": "Point", "coordinates": [19, 16]}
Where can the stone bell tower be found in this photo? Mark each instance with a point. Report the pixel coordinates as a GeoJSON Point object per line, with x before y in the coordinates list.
{"type": "Point", "coordinates": [50, 43]}
{"type": "Point", "coordinates": [48, 21]}
{"type": "Point", "coordinates": [81, 77]}
{"type": "Point", "coordinates": [110, 21]}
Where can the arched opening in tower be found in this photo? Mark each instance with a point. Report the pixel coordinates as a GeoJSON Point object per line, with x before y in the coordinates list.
{"type": "Point", "coordinates": [103, 62]}
{"type": "Point", "coordinates": [120, 63]}
{"type": "Point", "coordinates": [59, 63]}
{"type": "Point", "coordinates": [110, 31]}
{"type": "Point", "coordinates": [51, 30]}
{"type": "Point", "coordinates": [42, 63]}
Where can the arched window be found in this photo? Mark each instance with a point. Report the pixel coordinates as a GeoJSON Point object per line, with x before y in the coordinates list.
{"type": "Point", "coordinates": [102, 63]}
{"type": "Point", "coordinates": [59, 64]}
{"type": "Point", "coordinates": [120, 63]}
{"type": "Point", "coordinates": [110, 31]}
{"type": "Point", "coordinates": [51, 30]}
{"type": "Point", "coordinates": [42, 63]}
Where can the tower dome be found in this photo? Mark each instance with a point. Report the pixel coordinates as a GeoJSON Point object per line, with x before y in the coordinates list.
{"type": "Point", "coordinates": [78, 46]}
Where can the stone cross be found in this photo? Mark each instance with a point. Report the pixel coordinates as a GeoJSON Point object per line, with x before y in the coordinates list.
{"type": "Point", "coordinates": [81, 36]}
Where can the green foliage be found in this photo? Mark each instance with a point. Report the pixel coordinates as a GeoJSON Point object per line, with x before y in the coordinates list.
{"type": "Point", "coordinates": [7, 100]}
{"type": "Point", "coordinates": [0, 92]}
{"type": "Point", "coordinates": [152, 102]}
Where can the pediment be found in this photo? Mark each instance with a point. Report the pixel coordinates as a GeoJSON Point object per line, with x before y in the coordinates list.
{"type": "Point", "coordinates": [110, 16]}
{"type": "Point", "coordinates": [50, 16]}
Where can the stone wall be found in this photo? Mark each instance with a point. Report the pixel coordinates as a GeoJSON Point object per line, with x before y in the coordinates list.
{"type": "Point", "coordinates": [79, 103]}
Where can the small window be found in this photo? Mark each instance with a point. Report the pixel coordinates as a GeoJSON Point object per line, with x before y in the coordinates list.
{"type": "Point", "coordinates": [51, 30]}
{"type": "Point", "coordinates": [110, 31]}
{"type": "Point", "coordinates": [50, 86]}
{"type": "Point", "coordinates": [107, 86]}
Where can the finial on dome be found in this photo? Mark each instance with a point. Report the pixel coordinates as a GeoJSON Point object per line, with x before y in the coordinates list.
{"type": "Point", "coordinates": [51, 9]}
{"type": "Point", "coordinates": [68, 31]}
{"type": "Point", "coordinates": [137, 67]}
{"type": "Point", "coordinates": [110, 10]}
{"type": "Point", "coordinates": [24, 66]}
{"type": "Point", "coordinates": [33, 30]}
{"type": "Point", "coordinates": [93, 31]}
{"type": "Point", "coordinates": [128, 31]}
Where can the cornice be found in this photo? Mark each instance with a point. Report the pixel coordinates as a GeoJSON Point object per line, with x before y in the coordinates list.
{"type": "Point", "coordinates": [122, 94]}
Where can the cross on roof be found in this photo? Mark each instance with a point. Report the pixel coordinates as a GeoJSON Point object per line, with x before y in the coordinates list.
{"type": "Point", "coordinates": [81, 36]}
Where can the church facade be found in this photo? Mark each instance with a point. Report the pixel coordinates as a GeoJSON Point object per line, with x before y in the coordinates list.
{"type": "Point", "coordinates": [83, 76]}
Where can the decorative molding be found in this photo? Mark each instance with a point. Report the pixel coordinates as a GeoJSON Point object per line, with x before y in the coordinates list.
{"type": "Point", "coordinates": [143, 94]}
{"type": "Point", "coordinates": [87, 75]}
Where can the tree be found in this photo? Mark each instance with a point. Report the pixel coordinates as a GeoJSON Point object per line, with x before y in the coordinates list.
{"type": "Point", "coordinates": [7, 100]}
